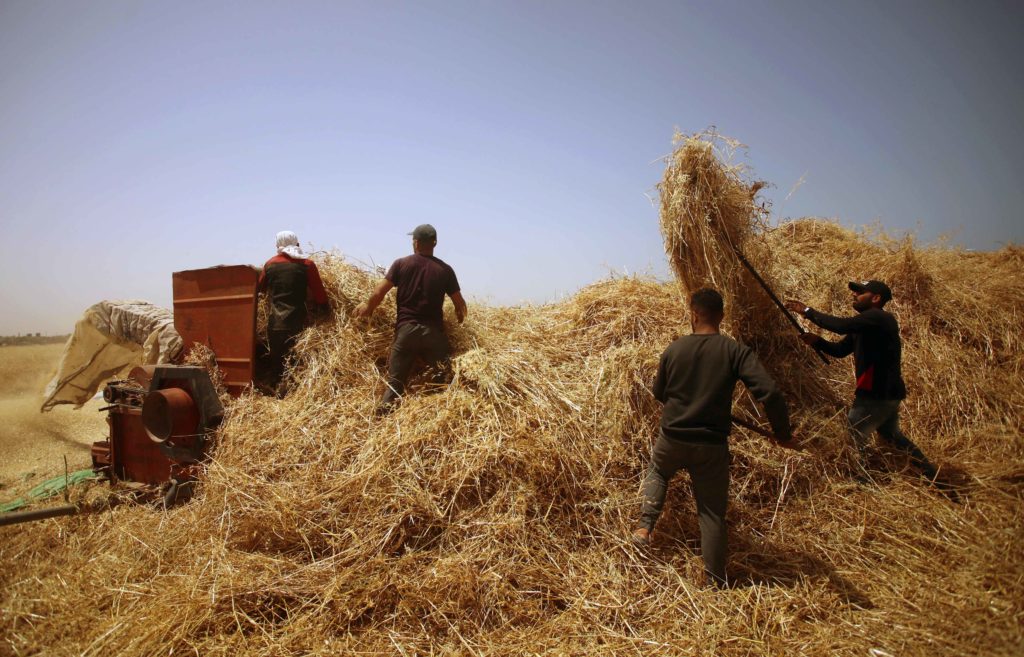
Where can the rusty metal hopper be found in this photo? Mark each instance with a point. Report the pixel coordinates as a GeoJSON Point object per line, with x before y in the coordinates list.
{"type": "Point", "coordinates": [217, 307]}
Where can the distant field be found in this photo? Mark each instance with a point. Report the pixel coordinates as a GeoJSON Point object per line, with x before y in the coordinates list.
{"type": "Point", "coordinates": [13, 340]}
{"type": "Point", "coordinates": [25, 369]}
{"type": "Point", "coordinates": [34, 444]}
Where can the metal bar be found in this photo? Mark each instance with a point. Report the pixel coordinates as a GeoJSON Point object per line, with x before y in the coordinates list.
{"type": "Point", "coordinates": [16, 517]}
{"type": "Point", "coordinates": [753, 427]}
{"type": "Point", "coordinates": [230, 297]}
{"type": "Point", "coordinates": [760, 430]}
{"type": "Point", "coordinates": [782, 307]}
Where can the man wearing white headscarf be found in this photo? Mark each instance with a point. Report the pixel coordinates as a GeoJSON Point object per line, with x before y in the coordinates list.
{"type": "Point", "coordinates": [290, 280]}
{"type": "Point", "coordinates": [288, 243]}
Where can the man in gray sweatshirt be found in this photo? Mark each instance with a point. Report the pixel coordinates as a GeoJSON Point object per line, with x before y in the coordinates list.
{"type": "Point", "coordinates": [695, 382]}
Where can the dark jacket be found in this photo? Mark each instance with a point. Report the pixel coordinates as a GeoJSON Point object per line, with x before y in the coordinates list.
{"type": "Point", "coordinates": [289, 282]}
{"type": "Point", "coordinates": [873, 336]}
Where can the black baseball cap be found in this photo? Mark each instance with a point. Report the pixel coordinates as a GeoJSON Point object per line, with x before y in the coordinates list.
{"type": "Point", "coordinates": [874, 287]}
{"type": "Point", "coordinates": [424, 233]}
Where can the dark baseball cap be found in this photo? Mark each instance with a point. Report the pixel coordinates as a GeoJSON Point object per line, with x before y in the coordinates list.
{"type": "Point", "coordinates": [424, 233]}
{"type": "Point", "coordinates": [874, 287]}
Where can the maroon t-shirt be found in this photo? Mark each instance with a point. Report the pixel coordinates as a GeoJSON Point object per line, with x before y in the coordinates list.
{"type": "Point", "coordinates": [422, 282]}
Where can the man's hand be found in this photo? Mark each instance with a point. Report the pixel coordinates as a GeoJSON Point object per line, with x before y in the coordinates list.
{"type": "Point", "coordinates": [796, 306]}
{"type": "Point", "coordinates": [792, 444]}
{"type": "Point", "coordinates": [366, 308]}
{"type": "Point", "coordinates": [321, 313]}
{"type": "Point", "coordinates": [809, 339]}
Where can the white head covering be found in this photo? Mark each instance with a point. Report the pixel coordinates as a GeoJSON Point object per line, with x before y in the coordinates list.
{"type": "Point", "coordinates": [288, 244]}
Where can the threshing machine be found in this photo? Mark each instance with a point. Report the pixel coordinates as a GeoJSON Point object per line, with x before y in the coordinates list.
{"type": "Point", "coordinates": [161, 417]}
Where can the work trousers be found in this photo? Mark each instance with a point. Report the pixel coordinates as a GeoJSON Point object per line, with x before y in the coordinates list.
{"type": "Point", "coordinates": [883, 415]}
{"type": "Point", "coordinates": [280, 342]}
{"type": "Point", "coordinates": [414, 341]}
{"type": "Point", "coordinates": [708, 465]}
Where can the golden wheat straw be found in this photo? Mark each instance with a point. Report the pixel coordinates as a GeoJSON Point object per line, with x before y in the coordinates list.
{"type": "Point", "coordinates": [490, 517]}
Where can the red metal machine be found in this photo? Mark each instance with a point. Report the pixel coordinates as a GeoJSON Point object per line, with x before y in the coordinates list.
{"type": "Point", "coordinates": [162, 417]}
{"type": "Point", "coordinates": [217, 307]}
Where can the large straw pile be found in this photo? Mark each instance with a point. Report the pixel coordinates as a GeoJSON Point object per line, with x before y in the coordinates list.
{"type": "Point", "coordinates": [490, 517]}
{"type": "Point", "coordinates": [710, 216]}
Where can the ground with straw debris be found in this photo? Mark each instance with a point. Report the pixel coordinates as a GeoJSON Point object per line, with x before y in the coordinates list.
{"type": "Point", "coordinates": [491, 516]}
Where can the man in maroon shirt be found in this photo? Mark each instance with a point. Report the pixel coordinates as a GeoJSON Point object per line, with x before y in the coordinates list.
{"type": "Point", "coordinates": [289, 279]}
{"type": "Point", "coordinates": [422, 281]}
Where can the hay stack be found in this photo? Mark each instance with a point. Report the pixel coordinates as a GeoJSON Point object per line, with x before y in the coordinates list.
{"type": "Point", "coordinates": [709, 210]}
{"type": "Point", "coordinates": [960, 316]}
{"type": "Point", "coordinates": [709, 214]}
{"type": "Point", "coordinates": [490, 518]}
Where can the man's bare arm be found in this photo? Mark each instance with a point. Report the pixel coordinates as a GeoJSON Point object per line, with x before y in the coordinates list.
{"type": "Point", "coordinates": [460, 306]}
{"type": "Point", "coordinates": [366, 308]}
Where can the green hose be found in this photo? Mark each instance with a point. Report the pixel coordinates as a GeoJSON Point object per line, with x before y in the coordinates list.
{"type": "Point", "coordinates": [49, 488]}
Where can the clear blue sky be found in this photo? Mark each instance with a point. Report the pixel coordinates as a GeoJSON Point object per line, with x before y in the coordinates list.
{"type": "Point", "coordinates": [142, 138]}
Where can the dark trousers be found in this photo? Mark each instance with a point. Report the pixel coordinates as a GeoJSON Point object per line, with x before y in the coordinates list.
{"type": "Point", "coordinates": [708, 466]}
{"type": "Point", "coordinates": [414, 341]}
{"type": "Point", "coordinates": [281, 343]}
{"type": "Point", "coordinates": [883, 415]}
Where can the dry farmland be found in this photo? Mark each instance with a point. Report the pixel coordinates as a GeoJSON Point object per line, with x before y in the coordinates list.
{"type": "Point", "coordinates": [34, 444]}
{"type": "Point", "coordinates": [491, 517]}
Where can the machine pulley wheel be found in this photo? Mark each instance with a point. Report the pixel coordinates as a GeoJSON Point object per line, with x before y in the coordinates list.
{"type": "Point", "coordinates": [170, 413]}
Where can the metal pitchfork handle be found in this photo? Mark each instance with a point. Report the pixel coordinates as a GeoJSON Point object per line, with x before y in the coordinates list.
{"type": "Point", "coordinates": [782, 307]}
{"type": "Point", "coordinates": [755, 428]}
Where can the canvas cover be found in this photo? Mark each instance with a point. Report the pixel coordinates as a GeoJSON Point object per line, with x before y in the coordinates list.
{"type": "Point", "coordinates": [109, 340]}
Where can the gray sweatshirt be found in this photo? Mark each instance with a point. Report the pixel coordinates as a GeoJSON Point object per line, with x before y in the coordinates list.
{"type": "Point", "coordinates": [695, 381]}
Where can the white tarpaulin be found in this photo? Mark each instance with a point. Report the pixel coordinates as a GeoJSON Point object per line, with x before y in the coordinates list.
{"type": "Point", "coordinates": [109, 340]}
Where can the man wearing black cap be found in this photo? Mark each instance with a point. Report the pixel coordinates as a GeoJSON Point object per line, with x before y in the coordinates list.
{"type": "Point", "coordinates": [873, 336]}
{"type": "Point", "coordinates": [422, 281]}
